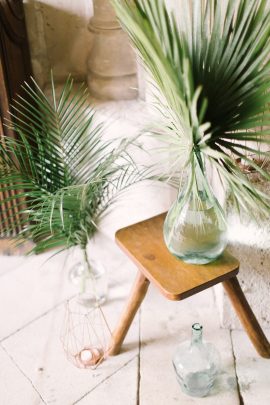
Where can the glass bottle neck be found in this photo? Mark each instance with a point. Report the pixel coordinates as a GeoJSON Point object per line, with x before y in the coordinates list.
{"type": "Point", "coordinates": [196, 338]}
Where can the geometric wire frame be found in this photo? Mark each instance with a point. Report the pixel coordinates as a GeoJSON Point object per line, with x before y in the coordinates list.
{"type": "Point", "coordinates": [85, 335]}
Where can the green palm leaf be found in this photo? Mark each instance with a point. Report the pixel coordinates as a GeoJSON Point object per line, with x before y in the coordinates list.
{"type": "Point", "coordinates": [212, 68]}
{"type": "Point", "coordinates": [65, 175]}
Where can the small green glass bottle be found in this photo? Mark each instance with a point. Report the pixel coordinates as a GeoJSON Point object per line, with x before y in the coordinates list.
{"type": "Point", "coordinates": [196, 364]}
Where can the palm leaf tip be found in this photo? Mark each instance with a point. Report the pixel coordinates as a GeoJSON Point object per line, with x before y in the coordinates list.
{"type": "Point", "coordinates": [212, 68]}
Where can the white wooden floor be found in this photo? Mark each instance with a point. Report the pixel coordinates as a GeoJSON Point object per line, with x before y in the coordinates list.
{"type": "Point", "coordinates": [34, 370]}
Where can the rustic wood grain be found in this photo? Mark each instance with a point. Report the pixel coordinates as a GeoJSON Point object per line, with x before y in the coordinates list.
{"type": "Point", "coordinates": [247, 317]}
{"type": "Point", "coordinates": [135, 299]}
{"type": "Point", "coordinates": [144, 244]}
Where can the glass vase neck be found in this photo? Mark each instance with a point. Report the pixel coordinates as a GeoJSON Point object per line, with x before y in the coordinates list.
{"type": "Point", "coordinates": [87, 266]}
{"type": "Point", "coordinates": [195, 175]}
{"type": "Point", "coordinates": [199, 174]}
{"type": "Point", "coordinates": [197, 333]}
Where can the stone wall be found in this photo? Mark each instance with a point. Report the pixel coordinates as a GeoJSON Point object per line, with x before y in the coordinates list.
{"type": "Point", "coordinates": [82, 38]}
{"type": "Point", "coordinates": [59, 37]}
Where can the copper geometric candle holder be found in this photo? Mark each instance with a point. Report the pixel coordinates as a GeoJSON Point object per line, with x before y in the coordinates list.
{"type": "Point", "coordinates": [85, 335]}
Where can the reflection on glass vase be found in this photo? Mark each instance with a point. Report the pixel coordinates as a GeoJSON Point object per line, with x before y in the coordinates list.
{"type": "Point", "coordinates": [194, 228]}
{"type": "Point", "coordinates": [196, 364]}
{"type": "Point", "coordinates": [91, 279]}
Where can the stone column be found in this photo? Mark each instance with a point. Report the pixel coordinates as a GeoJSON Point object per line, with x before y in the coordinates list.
{"type": "Point", "coordinates": [112, 68]}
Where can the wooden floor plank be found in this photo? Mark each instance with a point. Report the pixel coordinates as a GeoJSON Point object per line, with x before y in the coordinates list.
{"type": "Point", "coordinates": [253, 372]}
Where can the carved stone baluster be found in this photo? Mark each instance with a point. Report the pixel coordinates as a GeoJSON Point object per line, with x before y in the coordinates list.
{"type": "Point", "coordinates": [112, 68]}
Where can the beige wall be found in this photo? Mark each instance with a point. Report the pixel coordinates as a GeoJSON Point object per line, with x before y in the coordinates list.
{"type": "Point", "coordinates": [58, 36]}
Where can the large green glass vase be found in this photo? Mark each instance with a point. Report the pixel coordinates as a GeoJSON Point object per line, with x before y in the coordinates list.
{"type": "Point", "coordinates": [194, 229]}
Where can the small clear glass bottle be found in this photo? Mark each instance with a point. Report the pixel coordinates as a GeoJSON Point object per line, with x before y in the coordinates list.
{"type": "Point", "coordinates": [196, 364]}
{"type": "Point", "coordinates": [91, 278]}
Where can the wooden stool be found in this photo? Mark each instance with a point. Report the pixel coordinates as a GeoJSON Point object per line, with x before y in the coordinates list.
{"type": "Point", "coordinates": [143, 243]}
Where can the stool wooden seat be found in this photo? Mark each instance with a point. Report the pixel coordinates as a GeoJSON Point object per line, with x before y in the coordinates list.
{"type": "Point", "coordinates": [176, 280]}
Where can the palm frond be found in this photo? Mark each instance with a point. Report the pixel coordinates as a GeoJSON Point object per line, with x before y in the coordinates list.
{"type": "Point", "coordinates": [212, 68]}
{"type": "Point", "coordinates": [64, 174]}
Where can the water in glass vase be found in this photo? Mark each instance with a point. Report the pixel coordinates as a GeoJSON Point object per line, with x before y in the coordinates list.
{"type": "Point", "coordinates": [193, 230]}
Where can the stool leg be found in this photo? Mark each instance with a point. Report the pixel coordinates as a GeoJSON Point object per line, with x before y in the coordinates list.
{"type": "Point", "coordinates": [247, 317]}
{"type": "Point", "coordinates": [135, 299]}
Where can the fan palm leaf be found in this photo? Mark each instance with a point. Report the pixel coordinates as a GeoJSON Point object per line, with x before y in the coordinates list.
{"type": "Point", "coordinates": [212, 67]}
{"type": "Point", "coordinates": [65, 175]}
